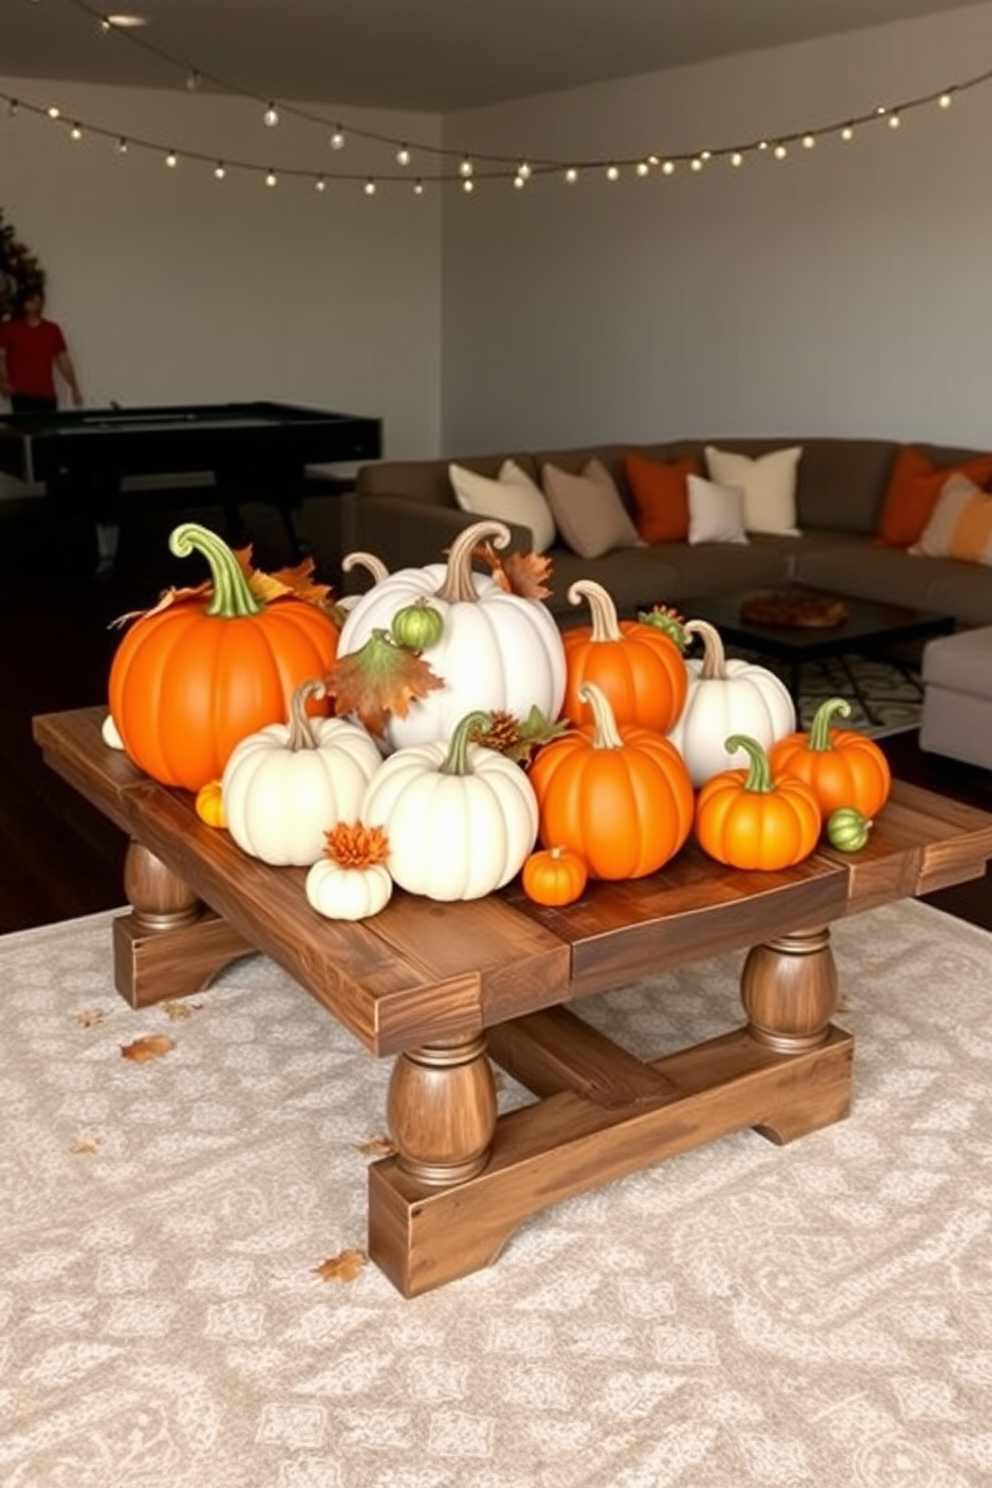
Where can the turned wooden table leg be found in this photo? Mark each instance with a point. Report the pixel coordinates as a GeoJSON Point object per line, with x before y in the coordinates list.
{"type": "Point", "coordinates": [169, 945]}
{"type": "Point", "coordinates": [789, 992]}
{"type": "Point", "coordinates": [441, 1110]}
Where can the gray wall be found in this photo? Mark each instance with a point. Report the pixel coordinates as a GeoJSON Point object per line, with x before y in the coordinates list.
{"type": "Point", "coordinates": [847, 289]}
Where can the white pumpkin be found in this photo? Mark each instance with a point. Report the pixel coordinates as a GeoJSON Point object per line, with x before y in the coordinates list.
{"type": "Point", "coordinates": [285, 786]}
{"type": "Point", "coordinates": [727, 697]}
{"type": "Point", "coordinates": [460, 818]}
{"type": "Point", "coordinates": [348, 893]}
{"type": "Point", "coordinates": [497, 650]}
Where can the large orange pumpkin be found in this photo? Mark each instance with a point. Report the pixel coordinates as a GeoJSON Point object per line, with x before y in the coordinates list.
{"type": "Point", "coordinates": [747, 819]}
{"type": "Point", "coordinates": [192, 678]}
{"type": "Point", "coordinates": [638, 666]}
{"type": "Point", "coordinates": [841, 766]}
{"type": "Point", "coordinates": [618, 795]}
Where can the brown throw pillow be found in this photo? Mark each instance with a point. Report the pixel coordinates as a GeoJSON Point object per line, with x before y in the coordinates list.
{"type": "Point", "coordinates": [588, 510]}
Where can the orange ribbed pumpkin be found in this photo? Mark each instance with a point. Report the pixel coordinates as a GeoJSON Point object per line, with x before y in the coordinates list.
{"type": "Point", "coordinates": [747, 819]}
{"type": "Point", "coordinates": [620, 796]}
{"type": "Point", "coordinates": [193, 678]}
{"type": "Point", "coordinates": [841, 766]}
{"type": "Point", "coordinates": [554, 876]}
{"type": "Point", "coordinates": [637, 666]}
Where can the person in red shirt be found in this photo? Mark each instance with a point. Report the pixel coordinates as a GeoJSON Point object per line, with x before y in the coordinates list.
{"type": "Point", "coordinates": [32, 349]}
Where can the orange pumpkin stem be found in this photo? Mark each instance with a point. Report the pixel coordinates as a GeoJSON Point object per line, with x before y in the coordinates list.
{"type": "Point", "coordinates": [457, 583]}
{"type": "Point", "coordinates": [605, 734]}
{"type": "Point", "coordinates": [819, 730]}
{"type": "Point", "coordinates": [714, 668]}
{"type": "Point", "coordinates": [301, 734]}
{"type": "Point", "coordinates": [602, 610]}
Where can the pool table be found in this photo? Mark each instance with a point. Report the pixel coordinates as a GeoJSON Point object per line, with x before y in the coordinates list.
{"type": "Point", "coordinates": [255, 451]}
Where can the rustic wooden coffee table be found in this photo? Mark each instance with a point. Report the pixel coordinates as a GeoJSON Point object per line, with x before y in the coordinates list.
{"type": "Point", "coordinates": [444, 986]}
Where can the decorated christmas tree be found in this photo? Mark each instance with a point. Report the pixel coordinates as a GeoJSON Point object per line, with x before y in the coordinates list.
{"type": "Point", "coordinates": [20, 271]}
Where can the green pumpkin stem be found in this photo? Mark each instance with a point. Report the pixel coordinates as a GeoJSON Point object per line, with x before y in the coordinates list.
{"type": "Point", "coordinates": [456, 760]}
{"type": "Point", "coordinates": [232, 598]}
{"type": "Point", "coordinates": [819, 730]}
{"type": "Point", "coordinates": [759, 774]}
{"type": "Point", "coordinates": [301, 734]}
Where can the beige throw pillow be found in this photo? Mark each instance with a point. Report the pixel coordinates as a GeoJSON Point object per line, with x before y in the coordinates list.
{"type": "Point", "coordinates": [513, 497]}
{"type": "Point", "coordinates": [716, 512]}
{"type": "Point", "coordinates": [588, 510]}
{"type": "Point", "coordinates": [768, 482]}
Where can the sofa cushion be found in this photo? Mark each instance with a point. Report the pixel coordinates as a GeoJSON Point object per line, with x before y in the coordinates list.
{"type": "Point", "coordinates": [768, 482]}
{"type": "Point", "coordinates": [913, 491]}
{"type": "Point", "coordinates": [716, 511]}
{"type": "Point", "coordinates": [961, 524]}
{"type": "Point", "coordinates": [512, 497]}
{"type": "Point", "coordinates": [660, 496]}
{"type": "Point", "coordinates": [588, 510]}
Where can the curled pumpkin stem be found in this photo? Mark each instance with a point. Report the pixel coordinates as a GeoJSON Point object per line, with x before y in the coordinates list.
{"type": "Point", "coordinates": [456, 761]}
{"type": "Point", "coordinates": [819, 730]}
{"type": "Point", "coordinates": [301, 734]}
{"type": "Point", "coordinates": [457, 583]}
{"type": "Point", "coordinates": [714, 666]}
{"type": "Point", "coordinates": [606, 735]}
{"type": "Point", "coordinates": [232, 598]}
{"type": "Point", "coordinates": [759, 774]}
{"type": "Point", "coordinates": [602, 610]}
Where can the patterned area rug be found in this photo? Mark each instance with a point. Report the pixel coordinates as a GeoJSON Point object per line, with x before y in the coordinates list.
{"type": "Point", "coordinates": [744, 1316]}
{"type": "Point", "coordinates": [885, 699]}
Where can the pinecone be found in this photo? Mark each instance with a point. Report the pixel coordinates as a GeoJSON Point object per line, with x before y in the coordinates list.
{"type": "Point", "coordinates": [503, 733]}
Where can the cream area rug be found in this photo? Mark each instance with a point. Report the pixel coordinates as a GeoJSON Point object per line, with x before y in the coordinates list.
{"type": "Point", "coordinates": [745, 1316]}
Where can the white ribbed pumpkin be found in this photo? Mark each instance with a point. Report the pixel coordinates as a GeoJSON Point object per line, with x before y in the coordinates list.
{"type": "Point", "coordinates": [285, 786]}
{"type": "Point", "coordinates": [460, 818]}
{"type": "Point", "coordinates": [727, 697]}
{"type": "Point", "coordinates": [497, 650]}
{"type": "Point", "coordinates": [347, 893]}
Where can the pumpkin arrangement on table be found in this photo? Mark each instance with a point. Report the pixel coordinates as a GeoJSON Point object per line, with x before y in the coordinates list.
{"type": "Point", "coordinates": [441, 734]}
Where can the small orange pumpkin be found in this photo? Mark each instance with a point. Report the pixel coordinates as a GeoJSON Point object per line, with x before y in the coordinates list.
{"type": "Point", "coordinates": [747, 819]}
{"type": "Point", "coordinates": [554, 876]}
{"type": "Point", "coordinates": [209, 804]}
{"type": "Point", "coordinates": [638, 666]}
{"type": "Point", "coordinates": [841, 766]}
{"type": "Point", "coordinates": [618, 795]}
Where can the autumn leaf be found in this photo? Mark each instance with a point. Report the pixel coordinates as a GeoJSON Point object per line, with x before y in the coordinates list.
{"type": "Point", "coordinates": [166, 599]}
{"type": "Point", "coordinates": [151, 1046]}
{"type": "Point", "coordinates": [179, 1011]}
{"type": "Point", "coordinates": [525, 574]}
{"type": "Point", "coordinates": [519, 738]}
{"type": "Point", "coordinates": [89, 1017]}
{"type": "Point", "coordinates": [345, 1266]}
{"type": "Point", "coordinates": [85, 1146]}
{"type": "Point", "coordinates": [297, 581]}
{"type": "Point", "coordinates": [378, 680]}
{"type": "Point", "coordinates": [380, 1146]}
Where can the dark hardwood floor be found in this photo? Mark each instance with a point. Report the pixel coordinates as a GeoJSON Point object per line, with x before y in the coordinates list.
{"type": "Point", "coordinates": [62, 858]}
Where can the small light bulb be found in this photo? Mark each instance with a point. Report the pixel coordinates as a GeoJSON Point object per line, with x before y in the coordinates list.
{"type": "Point", "coordinates": [668, 168]}
{"type": "Point", "coordinates": [418, 188]}
{"type": "Point", "coordinates": [172, 159]}
{"type": "Point", "coordinates": [337, 138]}
{"type": "Point", "coordinates": [121, 146]}
{"type": "Point", "coordinates": [706, 155]}
{"type": "Point", "coordinates": [696, 164]}
{"type": "Point", "coordinates": [613, 173]}
{"type": "Point", "coordinates": [402, 155]}
{"type": "Point", "coordinates": [737, 158]}
{"type": "Point", "coordinates": [945, 100]}
{"type": "Point", "coordinates": [320, 184]}
{"type": "Point", "coordinates": [524, 171]}
{"type": "Point", "coordinates": [781, 152]}
{"type": "Point", "coordinates": [847, 133]}
{"type": "Point", "coordinates": [75, 133]}
{"type": "Point", "coordinates": [271, 116]}
{"type": "Point", "coordinates": [571, 175]}
{"type": "Point", "coordinates": [762, 144]}
{"type": "Point", "coordinates": [370, 188]}
{"type": "Point", "coordinates": [519, 181]}
{"type": "Point", "coordinates": [880, 109]}
{"type": "Point", "coordinates": [54, 111]}
{"type": "Point", "coordinates": [894, 121]}
{"type": "Point", "coordinates": [466, 168]}
{"type": "Point", "coordinates": [12, 107]}
{"type": "Point", "coordinates": [271, 179]}
{"type": "Point", "coordinates": [104, 26]}
{"type": "Point", "coordinates": [219, 170]}
{"type": "Point", "coordinates": [809, 141]}
{"type": "Point", "coordinates": [468, 185]}
{"type": "Point", "coordinates": [642, 168]}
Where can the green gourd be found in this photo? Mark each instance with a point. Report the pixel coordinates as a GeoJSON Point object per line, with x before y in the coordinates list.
{"type": "Point", "coordinates": [417, 626]}
{"type": "Point", "coordinates": [847, 829]}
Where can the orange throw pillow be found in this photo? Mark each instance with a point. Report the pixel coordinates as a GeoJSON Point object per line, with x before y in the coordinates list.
{"type": "Point", "coordinates": [914, 487]}
{"type": "Point", "coordinates": [661, 496]}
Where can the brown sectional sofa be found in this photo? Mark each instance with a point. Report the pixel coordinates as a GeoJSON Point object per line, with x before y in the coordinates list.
{"type": "Point", "coordinates": [406, 513]}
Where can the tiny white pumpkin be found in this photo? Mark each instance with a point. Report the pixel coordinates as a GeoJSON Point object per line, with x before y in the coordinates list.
{"type": "Point", "coordinates": [497, 650]}
{"type": "Point", "coordinates": [460, 818]}
{"type": "Point", "coordinates": [348, 893]}
{"type": "Point", "coordinates": [110, 733]}
{"type": "Point", "coordinates": [286, 785]}
{"type": "Point", "coordinates": [727, 697]}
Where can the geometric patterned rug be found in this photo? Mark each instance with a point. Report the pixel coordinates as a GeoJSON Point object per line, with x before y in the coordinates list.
{"type": "Point", "coordinates": [884, 698]}
{"type": "Point", "coordinates": [742, 1316]}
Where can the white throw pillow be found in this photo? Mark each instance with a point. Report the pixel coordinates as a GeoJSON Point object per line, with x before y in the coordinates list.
{"type": "Point", "coordinates": [513, 497]}
{"type": "Point", "coordinates": [768, 482]}
{"type": "Point", "coordinates": [716, 512]}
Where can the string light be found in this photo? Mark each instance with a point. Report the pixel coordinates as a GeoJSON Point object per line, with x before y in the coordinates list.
{"type": "Point", "coordinates": [337, 138]}
{"type": "Point", "coordinates": [466, 168]}
{"type": "Point", "coordinates": [320, 184]}
{"type": "Point", "coordinates": [369, 187]}
{"type": "Point", "coordinates": [75, 133]}
{"type": "Point", "coordinates": [172, 160]}
{"type": "Point", "coordinates": [571, 175]}
{"type": "Point", "coordinates": [612, 172]}
{"type": "Point", "coordinates": [271, 179]}
{"type": "Point", "coordinates": [418, 188]}
{"type": "Point", "coordinates": [53, 112]}
{"type": "Point", "coordinates": [271, 117]}
{"type": "Point", "coordinates": [121, 146]}
{"type": "Point", "coordinates": [402, 155]}
{"type": "Point", "coordinates": [219, 170]}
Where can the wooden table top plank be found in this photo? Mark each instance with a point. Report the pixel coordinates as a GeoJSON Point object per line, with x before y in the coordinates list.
{"type": "Point", "coordinates": [72, 745]}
